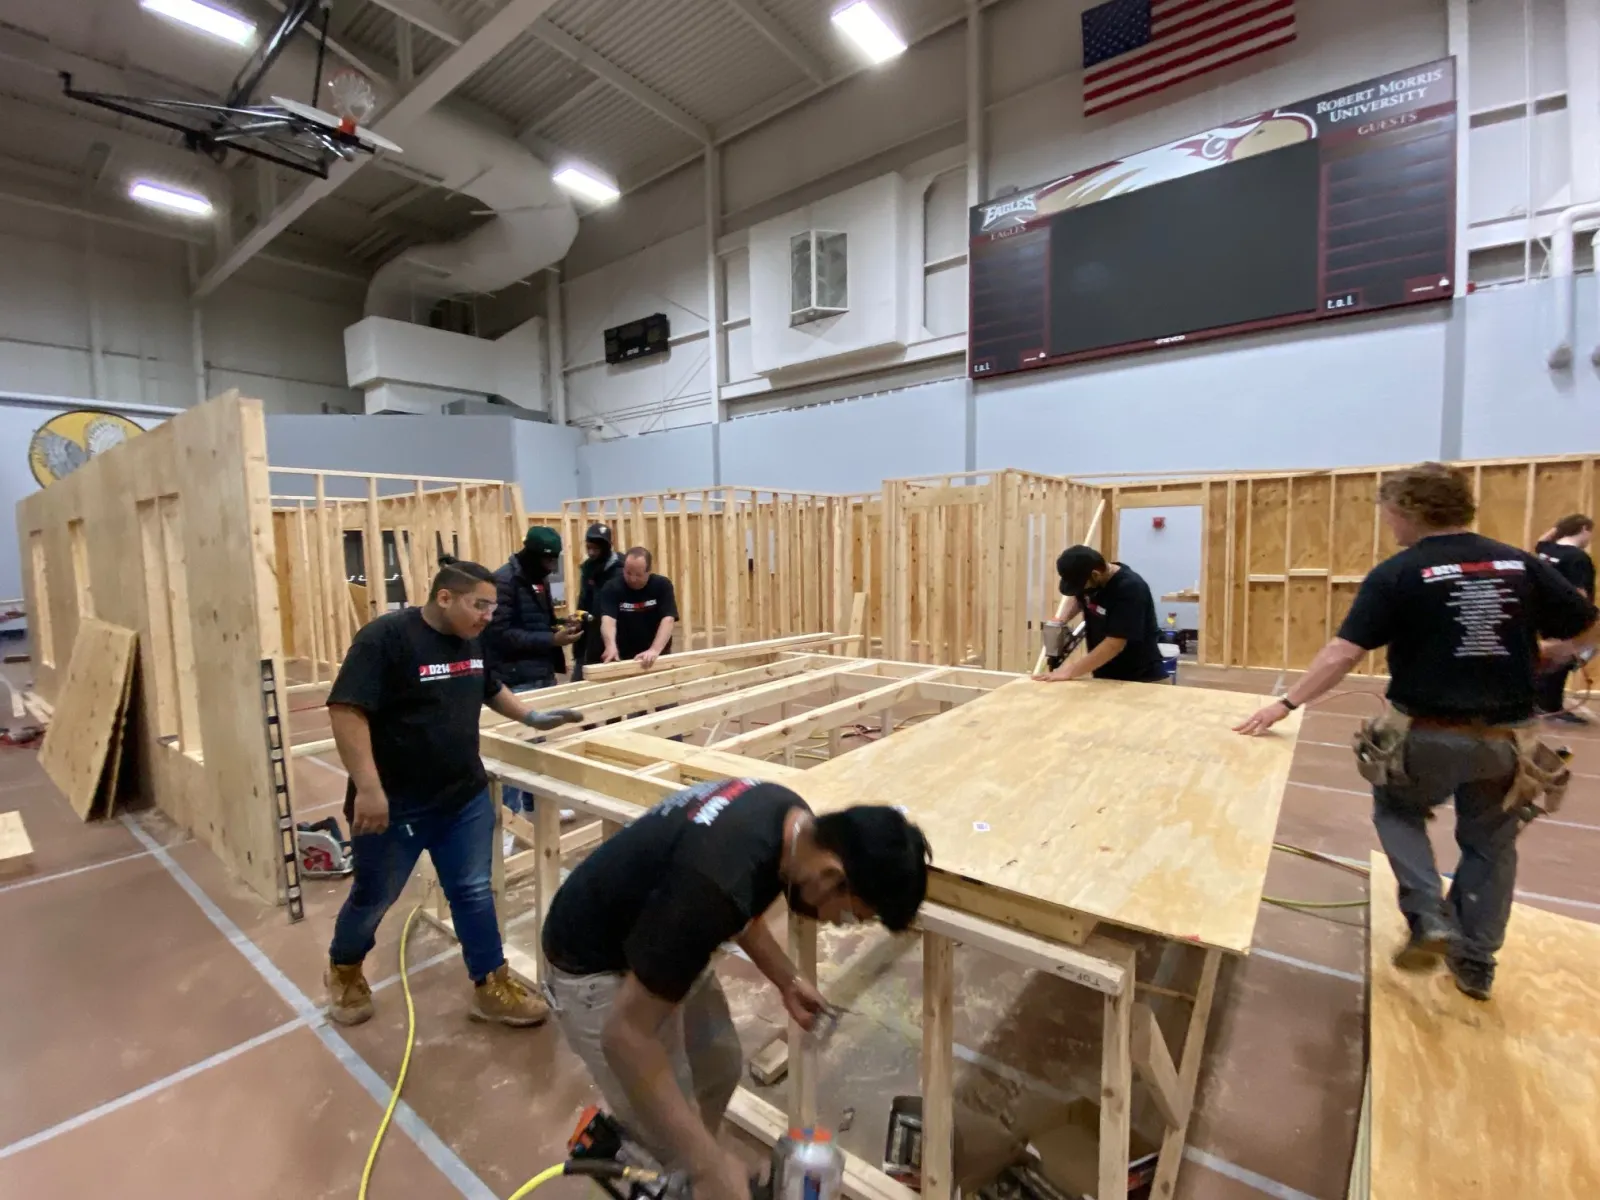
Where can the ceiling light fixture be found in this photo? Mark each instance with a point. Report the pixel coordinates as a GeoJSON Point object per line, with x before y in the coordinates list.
{"type": "Point", "coordinates": [159, 196]}
{"type": "Point", "coordinates": [585, 185]}
{"type": "Point", "coordinates": [215, 21]}
{"type": "Point", "coordinates": [861, 23]}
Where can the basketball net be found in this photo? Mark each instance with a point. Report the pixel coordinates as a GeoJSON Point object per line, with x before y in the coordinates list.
{"type": "Point", "coordinates": [353, 98]}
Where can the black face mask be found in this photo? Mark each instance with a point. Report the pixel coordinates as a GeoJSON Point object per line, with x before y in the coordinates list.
{"type": "Point", "coordinates": [1065, 590]}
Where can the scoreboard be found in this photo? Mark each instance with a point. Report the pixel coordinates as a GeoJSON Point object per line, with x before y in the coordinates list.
{"type": "Point", "coordinates": [1340, 204]}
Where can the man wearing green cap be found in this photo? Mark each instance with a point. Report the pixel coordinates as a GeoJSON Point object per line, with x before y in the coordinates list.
{"type": "Point", "coordinates": [526, 643]}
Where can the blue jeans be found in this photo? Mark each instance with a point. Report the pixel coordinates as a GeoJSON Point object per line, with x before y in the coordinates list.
{"type": "Point", "coordinates": [462, 847]}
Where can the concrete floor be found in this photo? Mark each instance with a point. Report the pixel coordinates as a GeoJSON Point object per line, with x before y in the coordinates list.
{"type": "Point", "coordinates": [160, 1034]}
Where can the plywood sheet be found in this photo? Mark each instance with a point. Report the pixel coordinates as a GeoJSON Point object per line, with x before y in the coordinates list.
{"type": "Point", "coordinates": [1133, 803]}
{"type": "Point", "coordinates": [1496, 1099]}
{"type": "Point", "coordinates": [89, 709]}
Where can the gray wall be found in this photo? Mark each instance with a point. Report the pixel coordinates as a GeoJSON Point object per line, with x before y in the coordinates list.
{"type": "Point", "coordinates": [547, 464]}
{"type": "Point", "coordinates": [1513, 404]}
{"type": "Point", "coordinates": [1361, 390]}
{"type": "Point", "coordinates": [1168, 558]}
{"type": "Point", "coordinates": [458, 447]}
{"type": "Point", "coordinates": [651, 462]}
{"type": "Point", "coordinates": [851, 446]}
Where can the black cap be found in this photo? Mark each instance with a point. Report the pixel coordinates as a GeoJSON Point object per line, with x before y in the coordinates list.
{"type": "Point", "coordinates": [598, 533]}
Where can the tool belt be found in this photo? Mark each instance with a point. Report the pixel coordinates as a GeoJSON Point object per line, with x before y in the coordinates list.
{"type": "Point", "coordinates": [1537, 788]}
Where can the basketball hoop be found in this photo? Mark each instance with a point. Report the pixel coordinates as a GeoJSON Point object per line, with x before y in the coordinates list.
{"type": "Point", "coordinates": [353, 98]}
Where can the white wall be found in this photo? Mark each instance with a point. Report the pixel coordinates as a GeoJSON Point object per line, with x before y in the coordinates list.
{"type": "Point", "coordinates": [908, 117]}
{"type": "Point", "coordinates": [68, 285]}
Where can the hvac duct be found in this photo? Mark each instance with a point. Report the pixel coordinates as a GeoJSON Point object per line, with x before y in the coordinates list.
{"type": "Point", "coordinates": [1561, 273]}
{"type": "Point", "coordinates": [535, 221]}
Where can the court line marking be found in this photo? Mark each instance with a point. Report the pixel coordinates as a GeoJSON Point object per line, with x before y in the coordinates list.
{"type": "Point", "coordinates": [432, 1146]}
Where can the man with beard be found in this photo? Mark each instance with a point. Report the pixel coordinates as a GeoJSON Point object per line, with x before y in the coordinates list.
{"type": "Point", "coordinates": [630, 936]}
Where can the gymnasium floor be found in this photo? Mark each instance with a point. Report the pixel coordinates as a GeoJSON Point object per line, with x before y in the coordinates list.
{"type": "Point", "coordinates": [161, 1038]}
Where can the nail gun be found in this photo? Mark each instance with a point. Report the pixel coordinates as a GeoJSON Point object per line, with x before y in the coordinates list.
{"type": "Point", "coordinates": [806, 1165]}
{"type": "Point", "coordinates": [1060, 640]}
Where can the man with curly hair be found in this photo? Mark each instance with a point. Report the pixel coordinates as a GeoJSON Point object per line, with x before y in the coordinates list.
{"type": "Point", "coordinates": [1462, 617]}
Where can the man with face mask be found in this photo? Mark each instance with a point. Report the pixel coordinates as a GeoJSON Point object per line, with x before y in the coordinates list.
{"type": "Point", "coordinates": [525, 642]}
{"type": "Point", "coordinates": [601, 564]}
{"type": "Point", "coordinates": [1120, 620]}
{"type": "Point", "coordinates": [630, 936]}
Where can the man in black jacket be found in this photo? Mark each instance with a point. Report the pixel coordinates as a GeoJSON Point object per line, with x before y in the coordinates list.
{"type": "Point", "coordinates": [525, 642]}
{"type": "Point", "coordinates": [601, 565]}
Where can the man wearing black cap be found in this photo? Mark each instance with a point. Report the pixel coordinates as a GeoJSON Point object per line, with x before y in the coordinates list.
{"type": "Point", "coordinates": [1120, 618]}
{"type": "Point", "coordinates": [526, 642]}
{"type": "Point", "coordinates": [601, 564]}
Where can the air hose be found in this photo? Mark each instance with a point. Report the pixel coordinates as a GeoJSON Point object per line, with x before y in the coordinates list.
{"type": "Point", "coordinates": [1286, 848]}
{"type": "Point", "coordinates": [594, 1168]}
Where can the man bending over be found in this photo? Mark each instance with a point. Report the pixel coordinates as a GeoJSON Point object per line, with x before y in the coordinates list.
{"type": "Point", "coordinates": [630, 936]}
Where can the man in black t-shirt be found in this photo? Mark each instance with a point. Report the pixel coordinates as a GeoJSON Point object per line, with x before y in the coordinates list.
{"type": "Point", "coordinates": [631, 933]}
{"type": "Point", "coordinates": [1565, 546]}
{"type": "Point", "coordinates": [601, 564]}
{"type": "Point", "coordinates": [1119, 617]}
{"type": "Point", "coordinates": [638, 612]}
{"type": "Point", "coordinates": [405, 712]}
{"type": "Point", "coordinates": [1462, 617]}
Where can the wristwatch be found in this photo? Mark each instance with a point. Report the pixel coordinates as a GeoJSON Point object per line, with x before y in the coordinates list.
{"type": "Point", "coordinates": [1288, 704]}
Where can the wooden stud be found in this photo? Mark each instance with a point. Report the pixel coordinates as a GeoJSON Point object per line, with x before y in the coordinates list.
{"type": "Point", "coordinates": [372, 552]}
{"type": "Point", "coordinates": [802, 1050]}
{"type": "Point", "coordinates": [938, 1067]}
{"type": "Point", "coordinates": [1116, 1091]}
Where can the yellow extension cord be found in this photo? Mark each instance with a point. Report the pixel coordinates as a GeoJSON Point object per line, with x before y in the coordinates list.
{"type": "Point", "coordinates": [405, 1065]}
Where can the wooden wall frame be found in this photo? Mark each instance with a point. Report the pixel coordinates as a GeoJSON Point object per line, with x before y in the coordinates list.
{"type": "Point", "coordinates": [170, 534]}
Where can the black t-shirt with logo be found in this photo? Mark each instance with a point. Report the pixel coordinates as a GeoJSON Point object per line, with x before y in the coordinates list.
{"type": "Point", "coordinates": [638, 612]}
{"type": "Point", "coordinates": [1462, 616]}
{"type": "Point", "coordinates": [1124, 608]}
{"type": "Point", "coordinates": [1575, 565]}
{"type": "Point", "coordinates": [422, 691]}
{"type": "Point", "coordinates": [661, 895]}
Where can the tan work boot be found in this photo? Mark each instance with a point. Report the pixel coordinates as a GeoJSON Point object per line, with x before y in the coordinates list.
{"type": "Point", "coordinates": [349, 997]}
{"type": "Point", "coordinates": [503, 1000]}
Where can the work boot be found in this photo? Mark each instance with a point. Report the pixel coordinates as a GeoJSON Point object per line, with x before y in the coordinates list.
{"type": "Point", "coordinates": [503, 1000]}
{"type": "Point", "coordinates": [1432, 936]}
{"type": "Point", "coordinates": [349, 997]}
{"type": "Point", "coordinates": [1472, 978]}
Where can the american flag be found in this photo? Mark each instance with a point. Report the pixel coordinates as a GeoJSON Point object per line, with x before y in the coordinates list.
{"type": "Point", "coordinates": [1133, 48]}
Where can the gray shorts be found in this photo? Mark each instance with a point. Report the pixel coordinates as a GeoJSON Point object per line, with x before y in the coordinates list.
{"type": "Point", "coordinates": [701, 1043]}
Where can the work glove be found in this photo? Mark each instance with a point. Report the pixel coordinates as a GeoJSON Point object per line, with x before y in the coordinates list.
{"type": "Point", "coordinates": [553, 719]}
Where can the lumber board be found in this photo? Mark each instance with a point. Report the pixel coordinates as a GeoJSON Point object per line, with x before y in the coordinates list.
{"type": "Point", "coordinates": [1153, 1062]}
{"type": "Point", "coordinates": [14, 840]}
{"type": "Point", "coordinates": [635, 750]}
{"type": "Point", "coordinates": [760, 742]}
{"type": "Point", "coordinates": [601, 672]}
{"type": "Point", "coordinates": [938, 1067]}
{"type": "Point", "coordinates": [89, 712]}
{"type": "Point", "coordinates": [1134, 804]}
{"type": "Point", "coordinates": [1496, 1099]}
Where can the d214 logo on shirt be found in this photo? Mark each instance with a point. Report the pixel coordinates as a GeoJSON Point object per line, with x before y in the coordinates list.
{"type": "Point", "coordinates": [466, 666]}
